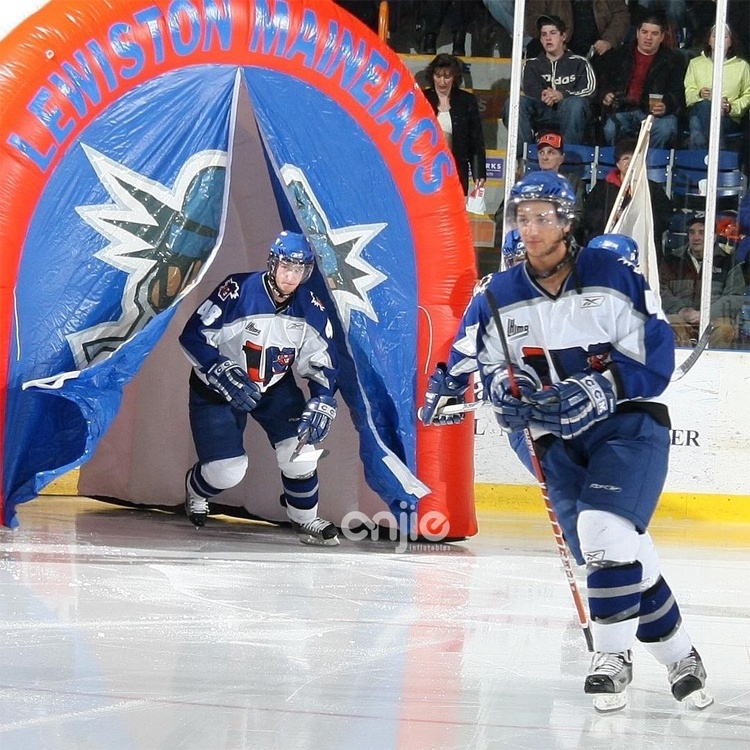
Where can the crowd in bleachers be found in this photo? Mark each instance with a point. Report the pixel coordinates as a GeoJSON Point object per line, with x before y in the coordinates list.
{"type": "Point", "coordinates": [593, 71]}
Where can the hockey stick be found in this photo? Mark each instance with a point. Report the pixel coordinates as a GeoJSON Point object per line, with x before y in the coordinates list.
{"type": "Point", "coordinates": [542, 482]}
{"type": "Point", "coordinates": [692, 358]}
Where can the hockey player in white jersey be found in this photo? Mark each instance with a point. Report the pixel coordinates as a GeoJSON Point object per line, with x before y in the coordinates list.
{"type": "Point", "coordinates": [242, 342]}
{"type": "Point", "coordinates": [591, 351]}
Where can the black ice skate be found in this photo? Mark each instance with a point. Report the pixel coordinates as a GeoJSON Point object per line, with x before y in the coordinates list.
{"type": "Point", "coordinates": [687, 678]}
{"type": "Point", "coordinates": [196, 507]}
{"type": "Point", "coordinates": [609, 676]}
{"type": "Point", "coordinates": [318, 532]}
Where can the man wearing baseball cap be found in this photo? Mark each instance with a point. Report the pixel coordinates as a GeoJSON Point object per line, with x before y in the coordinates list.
{"type": "Point", "coordinates": [557, 88]}
{"type": "Point", "coordinates": [550, 154]}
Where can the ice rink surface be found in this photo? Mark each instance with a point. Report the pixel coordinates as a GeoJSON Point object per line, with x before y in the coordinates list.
{"type": "Point", "coordinates": [129, 629]}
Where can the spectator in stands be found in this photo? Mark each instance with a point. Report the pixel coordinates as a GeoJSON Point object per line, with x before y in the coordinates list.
{"type": "Point", "coordinates": [636, 72]}
{"type": "Point", "coordinates": [595, 27]}
{"type": "Point", "coordinates": [557, 88]}
{"type": "Point", "coordinates": [457, 112]}
{"type": "Point", "coordinates": [551, 157]}
{"type": "Point", "coordinates": [735, 101]}
{"type": "Point", "coordinates": [680, 286]}
{"type": "Point", "coordinates": [601, 199]}
{"type": "Point", "coordinates": [458, 15]}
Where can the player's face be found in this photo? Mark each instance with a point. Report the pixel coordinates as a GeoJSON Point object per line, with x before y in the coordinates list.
{"type": "Point", "coordinates": [542, 232]}
{"type": "Point", "coordinates": [289, 276]}
{"type": "Point", "coordinates": [648, 38]}
{"type": "Point", "coordinates": [550, 158]}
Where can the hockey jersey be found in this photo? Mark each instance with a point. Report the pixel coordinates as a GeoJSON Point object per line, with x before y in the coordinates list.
{"type": "Point", "coordinates": [241, 321]}
{"type": "Point", "coordinates": [604, 318]}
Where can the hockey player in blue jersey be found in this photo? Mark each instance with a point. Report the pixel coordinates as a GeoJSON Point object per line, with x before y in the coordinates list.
{"type": "Point", "coordinates": [242, 342]}
{"type": "Point", "coordinates": [591, 351]}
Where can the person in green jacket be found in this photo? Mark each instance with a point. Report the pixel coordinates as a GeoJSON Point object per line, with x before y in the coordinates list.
{"type": "Point", "coordinates": [735, 100]}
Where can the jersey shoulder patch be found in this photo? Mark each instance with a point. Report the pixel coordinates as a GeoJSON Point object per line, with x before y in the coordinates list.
{"type": "Point", "coordinates": [229, 289]}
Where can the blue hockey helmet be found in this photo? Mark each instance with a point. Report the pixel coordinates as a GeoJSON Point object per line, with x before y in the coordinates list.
{"type": "Point", "coordinates": [293, 249]}
{"type": "Point", "coordinates": [514, 251]}
{"type": "Point", "coordinates": [543, 186]}
{"type": "Point", "coordinates": [626, 247]}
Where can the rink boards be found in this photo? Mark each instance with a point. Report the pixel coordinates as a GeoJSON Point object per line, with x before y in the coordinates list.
{"type": "Point", "coordinates": [708, 476]}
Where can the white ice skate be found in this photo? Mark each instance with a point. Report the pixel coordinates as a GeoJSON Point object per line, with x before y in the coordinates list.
{"type": "Point", "coordinates": [687, 678]}
{"type": "Point", "coordinates": [609, 676]}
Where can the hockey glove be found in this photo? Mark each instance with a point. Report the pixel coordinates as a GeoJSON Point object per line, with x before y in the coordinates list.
{"type": "Point", "coordinates": [233, 383]}
{"type": "Point", "coordinates": [511, 413]}
{"type": "Point", "coordinates": [316, 419]}
{"type": "Point", "coordinates": [570, 407]}
{"type": "Point", "coordinates": [442, 390]}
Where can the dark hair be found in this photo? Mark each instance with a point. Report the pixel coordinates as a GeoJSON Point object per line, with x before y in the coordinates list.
{"type": "Point", "coordinates": [444, 60]}
{"type": "Point", "coordinates": [729, 51]}
{"type": "Point", "coordinates": [656, 17]}
{"type": "Point", "coordinates": [625, 146]}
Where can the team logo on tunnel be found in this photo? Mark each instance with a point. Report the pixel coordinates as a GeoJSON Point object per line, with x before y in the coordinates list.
{"type": "Point", "coordinates": [159, 236]}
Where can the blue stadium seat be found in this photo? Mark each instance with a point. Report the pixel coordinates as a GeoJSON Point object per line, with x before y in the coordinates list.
{"type": "Point", "coordinates": [690, 176]}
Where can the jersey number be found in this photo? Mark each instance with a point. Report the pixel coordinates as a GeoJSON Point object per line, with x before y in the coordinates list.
{"type": "Point", "coordinates": [209, 313]}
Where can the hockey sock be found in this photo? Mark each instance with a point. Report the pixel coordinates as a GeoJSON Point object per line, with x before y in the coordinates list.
{"type": "Point", "coordinates": [199, 485]}
{"type": "Point", "coordinates": [301, 497]}
{"type": "Point", "coordinates": [614, 594]}
{"type": "Point", "coordinates": [660, 624]}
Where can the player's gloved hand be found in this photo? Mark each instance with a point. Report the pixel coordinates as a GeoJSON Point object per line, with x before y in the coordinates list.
{"type": "Point", "coordinates": [316, 419]}
{"type": "Point", "coordinates": [232, 381]}
{"type": "Point", "coordinates": [512, 413]}
{"type": "Point", "coordinates": [442, 390]}
{"type": "Point", "coordinates": [570, 407]}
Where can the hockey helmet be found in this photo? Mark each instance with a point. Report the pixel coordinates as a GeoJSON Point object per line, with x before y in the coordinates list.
{"type": "Point", "coordinates": [624, 246]}
{"type": "Point", "coordinates": [291, 249]}
{"type": "Point", "coordinates": [543, 186]}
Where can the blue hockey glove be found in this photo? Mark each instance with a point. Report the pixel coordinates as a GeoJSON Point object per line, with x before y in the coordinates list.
{"type": "Point", "coordinates": [233, 383]}
{"type": "Point", "coordinates": [442, 390]}
{"type": "Point", "coordinates": [511, 413]}
{"type": "Point", "coordinates": [316, 419]}
{"type": "Point", "coordinates": [570, 407]}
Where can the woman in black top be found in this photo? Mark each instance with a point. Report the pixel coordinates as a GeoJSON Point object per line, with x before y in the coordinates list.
{"type": "Point", "coordinates": [458, 114]}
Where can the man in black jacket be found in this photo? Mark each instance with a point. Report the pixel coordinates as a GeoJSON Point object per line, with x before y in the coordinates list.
{"type": "Point", "coordinates": [557, 88]}
{"type": "Point", "coordinates": [641, 79]}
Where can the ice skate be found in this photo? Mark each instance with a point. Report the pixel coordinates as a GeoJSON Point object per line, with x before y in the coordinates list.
{"type": "Point", "coordinates": [196, 507]}
{"type": "Point", "coordinates": [687, 678]}
{"type": "Point", "coordinates": [608, 678]}
{"type": "Point", "coordinates": [317, 532]}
